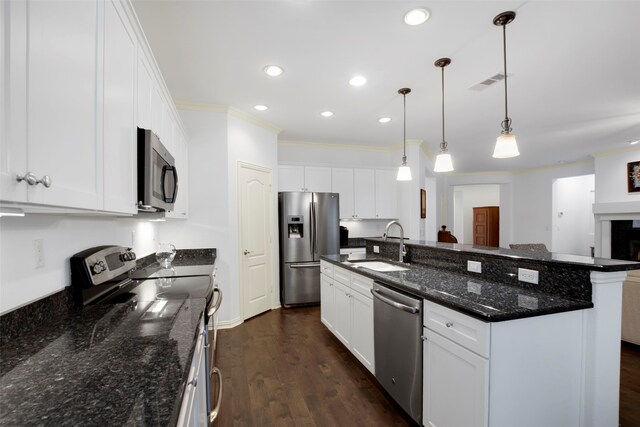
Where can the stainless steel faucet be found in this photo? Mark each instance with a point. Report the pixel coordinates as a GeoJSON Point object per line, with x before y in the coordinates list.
{"type": "Point", "coordinates": [402, 251]}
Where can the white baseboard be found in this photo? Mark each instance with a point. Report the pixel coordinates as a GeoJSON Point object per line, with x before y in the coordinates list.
{"type": "Point", "coordinates": [228, 324]}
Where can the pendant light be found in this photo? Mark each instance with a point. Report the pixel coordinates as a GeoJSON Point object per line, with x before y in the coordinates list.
{"type": "Point", "coordinates": [506, 145]}
{"type": "Point", "coordinates": [404, 172]}
{"type": "Point", "coordinates": [443, 160]}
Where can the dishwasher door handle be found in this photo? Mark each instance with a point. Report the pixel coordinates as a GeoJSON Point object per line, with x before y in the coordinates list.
{"type": "Point", "coordinates": [387, 300]}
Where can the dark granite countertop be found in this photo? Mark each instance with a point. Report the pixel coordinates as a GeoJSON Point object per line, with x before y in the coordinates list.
{"type": "Point", "coordinates": [482, 299]}
{"type": "Point", "coordinates": [109, 364]}
{"type": "Point", "coordinates": [575, 261]}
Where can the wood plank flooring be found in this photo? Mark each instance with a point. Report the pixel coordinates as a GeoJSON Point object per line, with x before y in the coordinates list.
{"type": "Point", "coordinates": [284, 368]}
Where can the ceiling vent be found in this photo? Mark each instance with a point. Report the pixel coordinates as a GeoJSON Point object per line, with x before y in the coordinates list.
{"type": "Point", "coordinates": [489, 81]}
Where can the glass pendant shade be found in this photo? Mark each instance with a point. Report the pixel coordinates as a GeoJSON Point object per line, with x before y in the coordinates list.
{"type": "Point", "coordinates": [443, 163]}
{"type": "Point", "coordinates": [506, 146]}
{"type": "Point", "coordinates": [404, 173]}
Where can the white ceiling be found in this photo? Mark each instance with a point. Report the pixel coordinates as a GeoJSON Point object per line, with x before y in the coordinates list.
{"type": "Point", "coordinates": [575, 66]}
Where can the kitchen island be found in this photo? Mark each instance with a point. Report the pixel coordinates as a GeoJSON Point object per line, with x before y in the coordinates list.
{"type": "Point", "coordinates": [109, 364]}
{"type": "Point", "coordinates": [540, 352]}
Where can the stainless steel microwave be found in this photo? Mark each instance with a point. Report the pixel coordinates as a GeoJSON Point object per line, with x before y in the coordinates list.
{"type": "Point", "coordinates": [157, 174]}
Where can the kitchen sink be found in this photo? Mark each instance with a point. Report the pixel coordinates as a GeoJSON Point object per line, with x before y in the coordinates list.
{"type": "Point", "coordinates": [376, 265]}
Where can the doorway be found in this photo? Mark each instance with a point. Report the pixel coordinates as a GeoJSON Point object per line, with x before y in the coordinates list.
{"type": "Point", "coordinates": [572, 218]}
{"type": "Point", "coordinates": [465, 198]}
{"type": "Point", "coordinates": [256, 238]}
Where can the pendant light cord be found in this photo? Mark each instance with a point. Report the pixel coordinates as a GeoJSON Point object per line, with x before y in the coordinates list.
{"type": "Point", "coordinates": [506, 124]}
{"type": "Point", "coordinates": [444, 142]}
{"type": "Point", "coordinates": [404, 134]}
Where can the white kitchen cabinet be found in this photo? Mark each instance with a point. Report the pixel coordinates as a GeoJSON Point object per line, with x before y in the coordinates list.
{"type": "Point", "coordinates": [193, 409]}
{"type": "Point", "coordinates": [145, 85]}
{"type": "Point", "coordinates": [524, 372]}
{"type": "Point", "coordinates": [386, 194]}
{"type": "Point", "coordinates": [52, 110]}
{"type": "Point", "coordinates": [304, 178]}
{"type": "Point", "coordinates": [346, 309]}
{"type": "Point", "coordinates": [356, 189]}
{"type": "Point", "coordinates": [119, 127]}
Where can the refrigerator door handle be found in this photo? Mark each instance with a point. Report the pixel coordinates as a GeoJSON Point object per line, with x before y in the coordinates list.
{"type": "Point", "coordinates": [307, 265]}
{"type": "Point", "coordinates": [315, 230]}
{"type": "Point", "coordinates": [311, 229]}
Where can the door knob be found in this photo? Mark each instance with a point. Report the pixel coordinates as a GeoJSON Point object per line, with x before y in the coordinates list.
{"type": "Point", "coordinates": [246, 252]}
{"type": "Point", "coordinates": [29, 178]}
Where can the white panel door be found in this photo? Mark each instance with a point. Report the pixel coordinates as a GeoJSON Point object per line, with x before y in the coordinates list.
{"type": "Point", "coordinates": [364, 192]}
{"type": "Point", "coordinates": [456, 384]}
{"type": "Point", "coordinates": [120, 190]}
{"type": "Point", "coordinates": [386, 203]}
{"type": "Point", "coordinates": [327, 304]}
{"type": "Point", "coordinates": [255, 239]}
{"type": "Point", "coordinates": [342, 313]}
{"type": "Point", "coordinates": [290, 178]}
{"type": "Point", "coordinates": [317, 179]}
{"type": "Point", "coordinates": [61, 106]}
{"type": "Point", "coordinates": [362, 330]}
{"type": "Point", "coordinates": [342, 183]}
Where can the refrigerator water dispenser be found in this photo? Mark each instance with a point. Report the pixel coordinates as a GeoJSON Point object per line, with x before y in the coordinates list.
{"type": "Point", "coordinates": [294, 224]}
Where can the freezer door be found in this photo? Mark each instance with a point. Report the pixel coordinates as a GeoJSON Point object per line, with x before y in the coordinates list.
{"type": "Point", "coordinates": [295, 233]}
{"type": "Point", "coordinates": [301, 284]}
{"type": "Point", "coordinates": [326, 224]}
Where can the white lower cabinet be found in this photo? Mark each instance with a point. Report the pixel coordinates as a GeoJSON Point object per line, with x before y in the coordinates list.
{"type": "Point", "coordinates": [346, 309]}
{"type": "Point", "coordinates": [193, 411]}
{"type": "Point", "coordinates": [524, 372]}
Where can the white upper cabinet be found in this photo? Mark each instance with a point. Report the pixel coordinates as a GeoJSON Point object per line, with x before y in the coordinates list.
{"type": "Point", "coordinates": [144, 92]}
{"type": "Point", "coordinates": [317, 179]}
{"type": "Point", "coordinates": [52, 104]}
{"type": "Point", "coordinates": [119, 113]}
{"type": "Point", "coordinates": [386, 194]}
{"type": "Point", "coordinates": [342, 183]}
{"type": "Point", "coordinates": [364, 192]}
{"type": "Point", "coordinates": [304, 178]}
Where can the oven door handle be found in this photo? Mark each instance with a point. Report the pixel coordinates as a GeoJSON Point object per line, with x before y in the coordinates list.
{"type": "Point", "coordinates": [216, 306]}
{"type": "Point", "coordinates": [216, 410]}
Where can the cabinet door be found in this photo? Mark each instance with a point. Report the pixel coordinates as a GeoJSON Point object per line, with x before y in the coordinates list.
{"type": "Point", "coordinates": [61, 106]}
{"type": "Point", "coordinates": [362, 330]}
{"type": "Point", "coordinates": [342, 183]}
{"type": "Point", "coordinates": [317, 179]}
{"type": "Point", "coordinates": [364, 193]}
{"type": "Point", "coordinates": [385, 194]}
{"type": "Point", "coordinates": [327, 304]}
{"type": "Point", "coordinates": [342, 320]}
{"type": "Point", "coordinates": [144, 92]}
{"type": "Point", "coordinates": [455, 385]}
{"type": "Point", "coordinates": [290, 178]}
{"type": "Point", "coordinates": [119, 113]}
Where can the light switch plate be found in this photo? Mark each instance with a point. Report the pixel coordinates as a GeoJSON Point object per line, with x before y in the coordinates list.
{"type": "Point", "coordinates": [474, 266]}
{"type": "Point", "coordinates": [529, 276]}
{"type": "Point", "coordinates": [376, 249]}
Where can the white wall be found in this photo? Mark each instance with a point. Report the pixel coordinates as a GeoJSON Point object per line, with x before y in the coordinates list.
{"type": "Point", "coordinates": [611, 177]}
{"type": "Point", "coordinates": [472, 196]}
{"type": "Point", "coordinates": [368, 228]}
{"type": "Point", "coordinates": [572, 215]}
{"type": "Point", "coordinates": [63, 236]}
{"type": "Point", "coordinates": [334, 155]}
{"type": "Point", "coordinates": [218, 141]}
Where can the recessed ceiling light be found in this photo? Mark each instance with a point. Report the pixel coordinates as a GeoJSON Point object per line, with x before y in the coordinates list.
{"type": "Point", "coordinates": [260, 107]}
{"type": "Point", "coordinates": [384, 119]}
{"type": "Point", "coordinates": [357, 81]}
{"type": "Point", "coordinates": [326, 113]}
{"type": "Point", "coordinates": [416, 16]}
{"type": "Point", "coordinates": [273, 70]}
{"type": "Point", "coordinates": [634, 141]}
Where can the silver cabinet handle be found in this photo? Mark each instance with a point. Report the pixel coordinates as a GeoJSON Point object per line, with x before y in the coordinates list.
{"type": "Point", "coordinates": [193, 382]}
{"type": "Point", "coordinates": [30, 179]}
{"type": "Point", "coordinates": [449, 324]}
{"type": "Point", "coordinates": [216, 410]}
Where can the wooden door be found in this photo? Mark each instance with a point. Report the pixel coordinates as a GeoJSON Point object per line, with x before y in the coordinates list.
{"type": "Point", "coordinates": [255, 239]}
{"type": "Point", "coordinates": [486, 226]}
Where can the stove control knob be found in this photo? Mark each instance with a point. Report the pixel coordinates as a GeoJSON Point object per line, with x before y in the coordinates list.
{"type": "Point", "coordinates": [97, 268]}
{"type": "Point", "coordinates": [132, 255]}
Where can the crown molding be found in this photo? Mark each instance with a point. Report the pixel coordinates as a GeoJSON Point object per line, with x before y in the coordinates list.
{"type": "Point", "coordinates": [232, 111]}
{"type": "Point", "coordinates": [616, 151]}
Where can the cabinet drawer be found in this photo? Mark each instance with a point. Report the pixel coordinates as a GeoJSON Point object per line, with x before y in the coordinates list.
{"type": "Point", "coordinates": [464, 330]}
{"type": "Point", "coordinates": [362, 284]}
{"type": "Point", "coordinates": [326, 268]}
{"type": "Point", "coordinates": [341, 275]}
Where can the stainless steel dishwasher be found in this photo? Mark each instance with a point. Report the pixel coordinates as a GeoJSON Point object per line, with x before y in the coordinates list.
{"type": "Point", "coordinates": [397, 329]}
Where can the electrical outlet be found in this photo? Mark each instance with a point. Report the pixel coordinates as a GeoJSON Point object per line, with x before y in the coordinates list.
{"type": "Point", "coordinates": [529, 276]}
{"type": "Point", "coordinates": [474, 266]}
{"type": "Point", "coordinates": [38, 252]}
{"type": "Point", "coordinates": [376, 249]}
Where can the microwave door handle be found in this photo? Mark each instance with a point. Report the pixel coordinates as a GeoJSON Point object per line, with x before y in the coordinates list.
{"type": "Point", "coordinates": [173, 170]}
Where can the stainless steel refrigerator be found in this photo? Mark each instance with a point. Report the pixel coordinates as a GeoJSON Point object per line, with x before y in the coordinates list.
{"type": "Point", "coordinates": [309, 226]}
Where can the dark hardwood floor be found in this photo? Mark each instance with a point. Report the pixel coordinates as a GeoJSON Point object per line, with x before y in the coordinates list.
{"type": "Point", "coordinates": [284, 368]}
